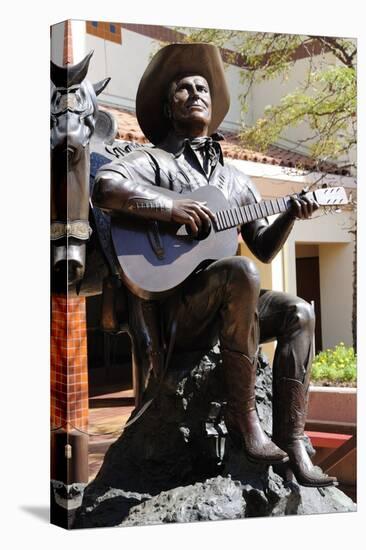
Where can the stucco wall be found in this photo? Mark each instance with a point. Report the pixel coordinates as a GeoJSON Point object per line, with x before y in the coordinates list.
{"type": "Point", "coordinates": [271, 92]}
{"type": "Point", "coordinates": [124, 63]}
{"type": "Point", "coordinates": [336, 244]}
{"type": "Point", "coordinates": [335, 263]}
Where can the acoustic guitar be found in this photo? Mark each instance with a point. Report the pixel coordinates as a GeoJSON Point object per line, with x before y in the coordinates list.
{"type": "Point", "coordinates": [156, 257]}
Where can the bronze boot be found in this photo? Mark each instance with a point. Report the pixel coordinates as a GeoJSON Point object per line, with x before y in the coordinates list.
{"type": "Point", "coordinates": [289, 416]}
{"type": "Point", "coordinates": [241, 417]}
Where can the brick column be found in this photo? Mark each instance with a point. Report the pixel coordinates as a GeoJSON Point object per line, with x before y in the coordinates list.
{"type": "Point", "coordinates": [68, 56]}
{"type": "Point", "coordinates": [69, 366]}
{"type": "Point", "coordinates": [69, 389]}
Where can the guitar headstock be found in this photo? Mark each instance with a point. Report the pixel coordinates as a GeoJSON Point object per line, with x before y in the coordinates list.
{"type": "Point", "coordinates": [330, 196]}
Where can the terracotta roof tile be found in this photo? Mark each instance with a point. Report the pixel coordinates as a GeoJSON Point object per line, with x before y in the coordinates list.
{"type": "Point", "coordinates": [275, 155]}
{"type": "Point", "coordinates": [128, 127]}
{"type": "Point", "coordinates": [129, 130]}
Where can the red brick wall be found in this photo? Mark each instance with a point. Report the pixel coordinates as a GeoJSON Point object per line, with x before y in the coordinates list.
{"type": "Point", "coordinates": [69, 367]}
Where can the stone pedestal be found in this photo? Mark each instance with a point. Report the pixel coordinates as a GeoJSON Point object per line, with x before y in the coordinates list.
{"type": "Point", "coordinates": [168, 465]}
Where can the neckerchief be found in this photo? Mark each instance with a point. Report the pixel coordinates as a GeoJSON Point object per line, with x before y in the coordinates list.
{"type": "Point", "coordinates": [209, 150]}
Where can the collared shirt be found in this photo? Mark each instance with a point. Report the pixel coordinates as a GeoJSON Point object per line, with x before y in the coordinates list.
{"type": "Point", "coordinates": [206, 149]}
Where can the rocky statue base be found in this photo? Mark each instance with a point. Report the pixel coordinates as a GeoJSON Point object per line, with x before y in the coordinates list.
{"type": "Point", "coordinates": [177, 464]}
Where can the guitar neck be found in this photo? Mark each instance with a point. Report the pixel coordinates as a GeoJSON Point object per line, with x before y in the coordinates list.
{"type": "Point", "coordinates": [233, 217]}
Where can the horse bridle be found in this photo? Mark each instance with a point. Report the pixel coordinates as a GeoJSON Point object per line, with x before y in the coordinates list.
{"type": "Point", "coordinates": [80, 229]}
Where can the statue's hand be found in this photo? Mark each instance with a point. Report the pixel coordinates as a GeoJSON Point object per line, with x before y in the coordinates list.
{"type": "Point", "coordinates": [302, 207]}
{"type": "Point", "coordinates": [196, 216]}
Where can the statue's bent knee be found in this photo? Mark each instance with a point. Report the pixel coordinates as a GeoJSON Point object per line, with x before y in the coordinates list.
{"type": "Point", "coordinates": [243, 273]}
{"type": "Point", "coordinates": [303, 316]}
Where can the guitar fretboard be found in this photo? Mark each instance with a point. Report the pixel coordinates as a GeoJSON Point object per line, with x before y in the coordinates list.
{"type": "Point", "coordinates": [233, 217]}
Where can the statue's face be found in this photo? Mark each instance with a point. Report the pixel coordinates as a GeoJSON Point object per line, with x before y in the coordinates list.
{"type": "Point", "coordinates": [189, 104]}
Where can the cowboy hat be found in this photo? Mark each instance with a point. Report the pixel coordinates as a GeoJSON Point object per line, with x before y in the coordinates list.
{"type": "Point", "coordinates": [170, 62]}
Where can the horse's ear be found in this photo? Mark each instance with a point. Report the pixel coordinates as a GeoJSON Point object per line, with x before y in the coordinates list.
{"type": "Point", "coordinates": [68, 75]}
{"type": "Point", "coordinates": [99, 86]}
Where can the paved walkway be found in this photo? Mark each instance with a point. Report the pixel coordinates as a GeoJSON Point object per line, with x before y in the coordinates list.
{"type": "Point", "coordinates": [108, 413]}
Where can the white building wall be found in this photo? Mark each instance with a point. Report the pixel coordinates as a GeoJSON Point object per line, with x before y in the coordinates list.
{"type": "Point", "coordinates": [271, 92]}
{"type": "Point", "coordinates": [335, 263]}
{"type": "Point", "coordinates": [98, 66]}
{"type": "Point", "coordinates": [124, 63]}
{"type": "Point", "coordinates": [233, 118]}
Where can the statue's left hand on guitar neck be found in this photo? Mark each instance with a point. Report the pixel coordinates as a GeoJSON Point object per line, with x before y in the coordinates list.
{"type": "Point", "coordinates": [302, 207]}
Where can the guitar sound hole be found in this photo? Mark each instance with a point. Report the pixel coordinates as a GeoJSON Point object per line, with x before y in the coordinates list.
{"type": "Point", "coordinates": [202, 234]}
{"type": "Point", "coordinates": [185, 231]}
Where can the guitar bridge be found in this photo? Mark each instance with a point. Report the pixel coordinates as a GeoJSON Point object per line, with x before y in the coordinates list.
{"type": "Point", "coordinates": [155, 240]}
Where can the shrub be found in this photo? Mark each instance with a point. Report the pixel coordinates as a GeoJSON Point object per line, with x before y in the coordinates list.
{"type": "Point", "coordinates": [337, 365]}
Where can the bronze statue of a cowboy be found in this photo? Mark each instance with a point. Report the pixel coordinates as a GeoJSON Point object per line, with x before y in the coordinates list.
{"type": "Point", "coordinates": [181, 101]}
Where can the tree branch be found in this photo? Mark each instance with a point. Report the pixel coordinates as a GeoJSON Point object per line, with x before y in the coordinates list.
{"type": "Point", "coordinates": [338, 50]}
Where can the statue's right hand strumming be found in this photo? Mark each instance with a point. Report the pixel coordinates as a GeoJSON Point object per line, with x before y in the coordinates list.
{"type": "Point", "coordinates": [196, 216]}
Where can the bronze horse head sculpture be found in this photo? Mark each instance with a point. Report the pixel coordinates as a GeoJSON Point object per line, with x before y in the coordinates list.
{"type": "Point", "coordinates": [83, 139]}
{"type": "Point", "coordinates": [74, 111]}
